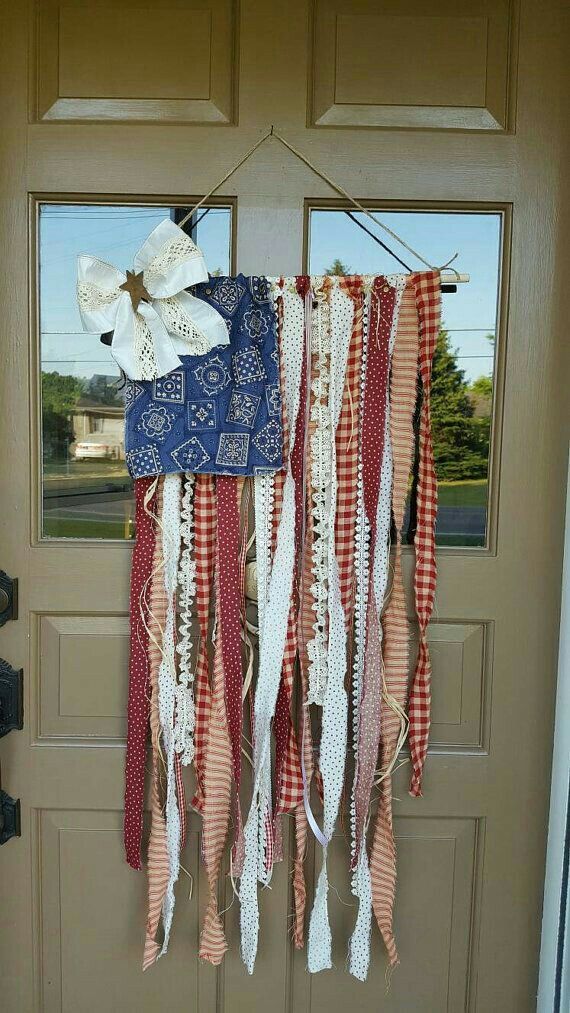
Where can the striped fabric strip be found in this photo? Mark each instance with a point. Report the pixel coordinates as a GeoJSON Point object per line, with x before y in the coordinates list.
{"type": "Point", "coordinates": [138, 706]}
{"type": "Point", "coordinates": [428, 301]}
{"type": "Point", "coordinates": [205, 552]}
{"type": "Point", "coordinates": [181, 796]}
{"type": "Point", "coordinates": [157, 858]}
{"type": "Point", "coordinates": [403, 389]}
{"type": "Point", "coordinates": [216, 804]}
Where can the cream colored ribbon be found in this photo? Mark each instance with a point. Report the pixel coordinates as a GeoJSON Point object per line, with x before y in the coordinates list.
{"type": "Point", "coordinates": [153, 319]}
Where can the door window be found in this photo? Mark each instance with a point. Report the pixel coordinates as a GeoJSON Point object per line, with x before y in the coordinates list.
{"type": "Point", "coordinates": [86, 490]}
{"type": "Point", "coordinates": [464, 373]}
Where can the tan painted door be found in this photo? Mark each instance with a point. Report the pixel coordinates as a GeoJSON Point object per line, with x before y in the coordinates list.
{"type": "Point", "coordinates": [462, 106]}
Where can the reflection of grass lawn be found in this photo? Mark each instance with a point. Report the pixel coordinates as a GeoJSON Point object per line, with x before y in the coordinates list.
{"type": "Point", "coordinates": [83, 473]}
{"type": "Point", "coordinates": [87, 473]}
{"type": "Point", "coordinates": [470, 493]}
{"type": "Point", "coordinates": [67, 528]}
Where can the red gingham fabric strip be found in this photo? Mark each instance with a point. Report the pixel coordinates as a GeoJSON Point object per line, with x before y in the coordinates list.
{"type": "Point", "coordinates": [403, 390]}
{"type": "Point", "coordinates": [138, 706]}
{"type": "Point", "coordinates": [428, 301]}
{"type": "Point", "coordinates": [205, 553]}
{"type": "Point", "coordinates": [373, 428]}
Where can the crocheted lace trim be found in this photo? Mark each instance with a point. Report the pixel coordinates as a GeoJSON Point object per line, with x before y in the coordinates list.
{"type": "Point", "coordinates": [321, 463]}
{"type": "Point", "coordinates": [177, 321]}
{"type": "Point", "coordinates": [172, 253]}
{"type": "Point", "coordinates": [185, 716]}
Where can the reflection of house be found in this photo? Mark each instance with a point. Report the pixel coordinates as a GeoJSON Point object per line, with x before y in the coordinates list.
{"type": "Point", "coordinates": [90, 417]}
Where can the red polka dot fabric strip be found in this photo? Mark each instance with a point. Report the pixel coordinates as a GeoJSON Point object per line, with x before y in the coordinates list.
{"type": "Point", "coordinates": [138, 706]}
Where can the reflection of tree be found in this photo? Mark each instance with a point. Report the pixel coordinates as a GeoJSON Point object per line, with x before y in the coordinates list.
{"type": "Point", "coordinates": [482, 387]}
{"type": "Point", "coordinates": [60, 395]}
{"type": "Point", "coordinates": [101, 389]}
{"type": "Point", "coordinates": [460, 439]}
{"type": "Point", "coordinates": [338, 268]}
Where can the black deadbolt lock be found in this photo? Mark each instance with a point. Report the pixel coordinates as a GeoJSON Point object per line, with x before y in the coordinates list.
{"type": "Point", "coordinates": [8, 598]}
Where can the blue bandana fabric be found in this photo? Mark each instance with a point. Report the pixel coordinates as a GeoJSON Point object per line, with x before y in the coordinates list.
{"type": "Point", "coordinates": [218, 413]}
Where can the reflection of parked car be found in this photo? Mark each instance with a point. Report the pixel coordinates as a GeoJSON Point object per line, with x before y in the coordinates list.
{"type": "Point", "coordinates": [97, 446]}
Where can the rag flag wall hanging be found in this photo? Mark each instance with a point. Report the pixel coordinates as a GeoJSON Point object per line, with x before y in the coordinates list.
{"type": "Point", "coordinates": [276, 413]}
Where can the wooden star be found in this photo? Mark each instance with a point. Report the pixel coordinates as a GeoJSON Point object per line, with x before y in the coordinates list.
{"type": "Point", "coordinates": [134, 285]}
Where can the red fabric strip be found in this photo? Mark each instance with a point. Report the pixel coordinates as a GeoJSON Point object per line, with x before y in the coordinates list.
{"type": "Point", "coordinates": [139, 692]}
{"type": "Point", "coordinates": [373, 429]}
{"type": "Point", "coordinates": [230, 608]}
{"type": "Point", "coordinates": [428, 301]}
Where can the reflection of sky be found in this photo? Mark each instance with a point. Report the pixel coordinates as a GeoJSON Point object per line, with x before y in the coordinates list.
{"type": "Point", "coordinates": [114, 234]}
{"type": "Point", "coordinates": [470, 313]}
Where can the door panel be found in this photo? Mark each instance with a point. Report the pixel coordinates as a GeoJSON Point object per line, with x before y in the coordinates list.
{"type": "Point", "coordinates": [471, 851]}
{"type": "Point", "coordinates": [463, 58]}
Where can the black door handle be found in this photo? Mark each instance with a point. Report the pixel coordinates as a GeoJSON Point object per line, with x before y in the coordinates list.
{"type": "Point", "coordinates": [10, 823]}
{"type": "Point", "coordinates": [11, 698]}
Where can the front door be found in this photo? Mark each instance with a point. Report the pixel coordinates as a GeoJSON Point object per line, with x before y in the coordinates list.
{"type": "Point", "coordinates": [449, 121]}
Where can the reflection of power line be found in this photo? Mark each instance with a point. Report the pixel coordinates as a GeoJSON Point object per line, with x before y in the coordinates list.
{"type": "Point", "coordinates": [116, 246]}
{"type": "Point", "coordinates": [80, 362]}
{"type": "Point", "coordinates": [98, 218]}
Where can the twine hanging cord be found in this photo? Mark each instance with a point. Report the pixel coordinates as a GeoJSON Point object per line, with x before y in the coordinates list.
{"type": "Point", "coordinates": [327, 179]}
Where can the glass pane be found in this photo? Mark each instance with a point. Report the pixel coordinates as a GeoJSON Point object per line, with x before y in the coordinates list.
{"type": "Point", "coordinates": [463, 372]}
{"type": "Point", "coordinates": [87, 492]}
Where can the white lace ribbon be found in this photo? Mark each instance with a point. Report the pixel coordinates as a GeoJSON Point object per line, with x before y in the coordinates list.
{"type": "Point", "coordinates": [170, 526]}
{"type": "Point", "coordinates": [142, 345]}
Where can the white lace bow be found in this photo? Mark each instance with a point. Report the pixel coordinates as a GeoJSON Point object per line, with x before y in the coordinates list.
{"type": "Point", "coordinates": [152, 318]}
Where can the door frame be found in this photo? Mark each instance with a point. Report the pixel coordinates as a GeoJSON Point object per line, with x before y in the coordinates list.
{"type": "Point", "coordinates": [554, 970]}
